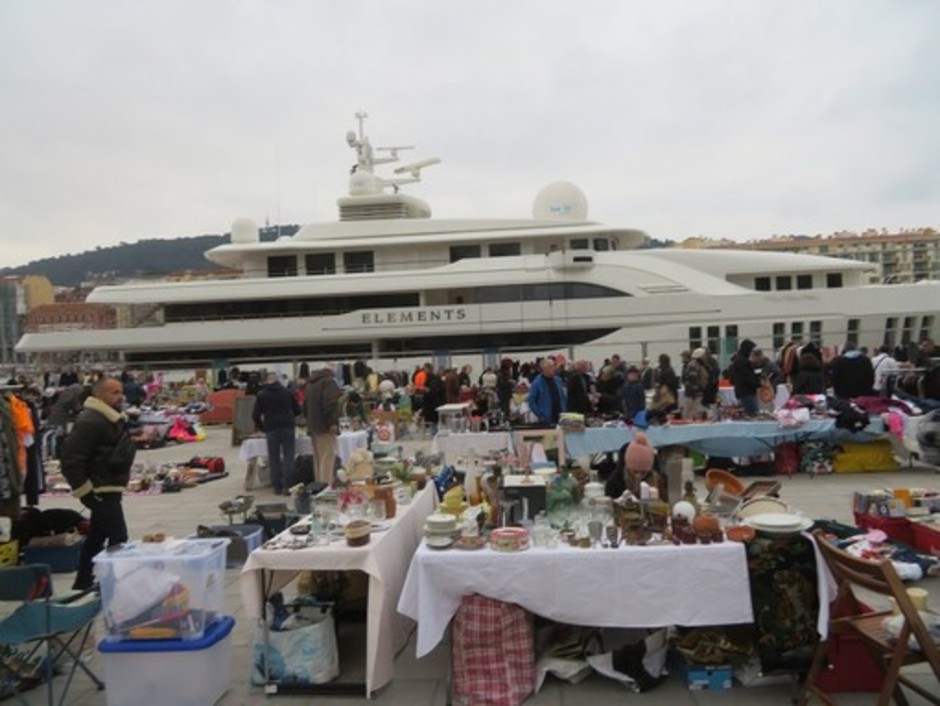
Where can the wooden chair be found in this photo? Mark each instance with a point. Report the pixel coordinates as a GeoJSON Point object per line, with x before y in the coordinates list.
{"type": "Point", "coordinates": [849, 616]}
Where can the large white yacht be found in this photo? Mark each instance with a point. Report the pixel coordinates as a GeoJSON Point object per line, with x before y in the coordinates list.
{"type": "Point", "coordinates": [388, 281]}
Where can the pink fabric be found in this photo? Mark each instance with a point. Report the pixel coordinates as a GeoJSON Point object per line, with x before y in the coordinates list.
{"type": "Point", "coordinates": [896, 424]}
{"type": "Point", "coordinates": [494, 653]}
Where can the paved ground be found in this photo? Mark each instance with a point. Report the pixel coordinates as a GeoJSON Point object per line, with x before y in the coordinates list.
{"type": "Point", "coordinates": [420, 682]}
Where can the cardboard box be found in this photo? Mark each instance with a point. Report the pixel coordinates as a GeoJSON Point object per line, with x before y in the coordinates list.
{"type": "Point", "coordinates": [699, 677]}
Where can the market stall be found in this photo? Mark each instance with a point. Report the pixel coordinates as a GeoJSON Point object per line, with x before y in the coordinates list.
{"type": "Point", "coordinates": [384, 559]}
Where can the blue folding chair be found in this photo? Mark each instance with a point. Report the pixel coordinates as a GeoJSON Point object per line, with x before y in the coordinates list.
{"type": "Point", "coordinates": [42, 627]}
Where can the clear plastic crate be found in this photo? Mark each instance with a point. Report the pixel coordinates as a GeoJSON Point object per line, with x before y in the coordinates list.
{"type": "Point", "coordinates": [166, 590]}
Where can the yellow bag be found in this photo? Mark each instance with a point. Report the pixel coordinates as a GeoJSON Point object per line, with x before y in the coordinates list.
{"type": "Point", "coordinates": [875, 456]}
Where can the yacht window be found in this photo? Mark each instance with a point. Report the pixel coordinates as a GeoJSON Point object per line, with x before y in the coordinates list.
{"type": "Point", "coordinates": [713, 335]}
{"type": "Point", "coordinates": [320, 263]}
{"type": "Point", "coordinates": [762, 284]}
{"type": "Point", "coordinates": [359, 261]}
{"type": "Point", "coordinates": [461, 252]}
{"type": "Point", "coordinates": [583, 290]}
{"type": "Point", "coordinates": [601, 244]}
{"type": "Point", "coordinates": [579, 244]}
{"type": "Point", "coordinates": [779, 335]}
{"type": "Point", "coordinates": [815, 331]}
{"type": "Point", "coordinates": [926, 323]}
{"type": "Point", "coordinates": [804, 281]}
{"type": "Point", "coordinates": [505, 249]}
{"type": "Point", "coordinates": [891, 325]}
{"type": "Point", "coordinates": [784, 282]}
{"type": "Point", "coordinates": [499, 294]}
{"type": "Point", "coordinates": [852, 331]}
{"type": "Point", "coordinates": [695, 337]}
{"type": "Point", "coordinates": [282, 266]}
{"type": "Point", "coordinates": [796, 329]}
{"type": "Point", "coordinates": [834, 280]}
{"type": "Point", "coordinates": [907, 335]}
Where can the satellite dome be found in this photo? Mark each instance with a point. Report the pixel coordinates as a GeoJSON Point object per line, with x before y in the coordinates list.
{"type": "Point", "coordinates": [244, 230]}
{"type": "Point", "coordinates": [561, 200]}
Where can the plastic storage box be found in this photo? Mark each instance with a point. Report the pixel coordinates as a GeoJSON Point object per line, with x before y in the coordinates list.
{"type": "Point", "coordinates": [178, 672]}
{"type": "Point", "coordinates": [61, 559]}
{"type": "Point", "coordinates": [244, 539]}
{"type": "Point", "coordinates": [926, 537]}
{"type": "Point", "coordinates": [167, 590]}
{"type": "Point", "coordinates": [700, 676]}
{"type": "Point", "coordinates": [898, 528]}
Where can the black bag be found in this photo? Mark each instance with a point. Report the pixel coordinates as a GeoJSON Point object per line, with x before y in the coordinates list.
{"type": "Point", "coordinates": [303, 469]}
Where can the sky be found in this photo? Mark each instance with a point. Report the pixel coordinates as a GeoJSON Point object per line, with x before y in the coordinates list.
{"type": "Point", "coordinates": [738, 119]}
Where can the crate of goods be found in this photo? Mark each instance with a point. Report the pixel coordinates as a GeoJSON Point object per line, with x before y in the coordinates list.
{"type": "Point", "coordinates": [162, 590]}
{"type": "Point", "coordinates": [180, 672]}
{"type": "Point", "coordinates": [9, 553]}
{"type": "Point", "coordinates": [926, 537]}
{"type": "Point", "coordinates": [60, 552]}
{"type": "Point", "coordinates": [243, 540]}
{"type": "Point", "coordinates": [705, 676]}
{"type": "Point", "coordinates": [897, 528]}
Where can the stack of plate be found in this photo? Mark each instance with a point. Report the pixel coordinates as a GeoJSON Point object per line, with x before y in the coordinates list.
{"type": "Point", "coordinates": [439, 530]}
{"type": "Point", "coordinates": [779, 523]}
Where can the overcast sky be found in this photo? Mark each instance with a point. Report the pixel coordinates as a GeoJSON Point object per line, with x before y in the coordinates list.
{"type": "Point", "coordinates": [739, 119]}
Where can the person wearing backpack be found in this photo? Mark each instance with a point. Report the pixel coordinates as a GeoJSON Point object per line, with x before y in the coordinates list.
{"type": "Point", "coordinates": [97, 456]}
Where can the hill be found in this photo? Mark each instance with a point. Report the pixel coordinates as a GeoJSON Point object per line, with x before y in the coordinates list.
{"type": "Point", "coordinates": [145, 258]}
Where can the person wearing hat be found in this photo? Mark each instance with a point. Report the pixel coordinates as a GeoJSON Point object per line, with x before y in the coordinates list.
{"type": "Point", "coordinates": [637, 464]}
{"type": "Point", "coordinates": [694, 382]}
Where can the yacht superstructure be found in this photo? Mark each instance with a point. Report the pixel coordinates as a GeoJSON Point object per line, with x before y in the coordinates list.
{"type": "Point", "coordinates": [389, 281]}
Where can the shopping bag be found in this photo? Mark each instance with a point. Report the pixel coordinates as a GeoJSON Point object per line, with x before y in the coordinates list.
{"type": "Point", "coordinates": [303, 651]}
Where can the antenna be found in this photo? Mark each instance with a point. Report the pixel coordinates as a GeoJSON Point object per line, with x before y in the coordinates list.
{"type": "Point", "coordinates": [415, 168]}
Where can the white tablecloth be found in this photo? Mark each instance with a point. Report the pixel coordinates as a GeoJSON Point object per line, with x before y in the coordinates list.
{"type": "Point", "coordinates": [349, 441]}
{"type": "Point", "coordinates": [346, 443]}
{"type": "Point", "coordinates": [385, 559]}
{"type": "Point", "coordinates": [257, 447]}
{"type": "Point", "coordinates": [470, 443]}
{"type": "Point", "coordinates": [625, 587]}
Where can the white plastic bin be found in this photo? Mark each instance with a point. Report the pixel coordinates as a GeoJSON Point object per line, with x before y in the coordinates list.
{"type": "Point", "coordinates": [162, 672]}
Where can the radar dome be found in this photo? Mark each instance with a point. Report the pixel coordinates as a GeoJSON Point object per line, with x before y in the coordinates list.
{"type": "Point", "coordinates": [561, 199]}
{"type": "Point", "coordinates": [244, 230]}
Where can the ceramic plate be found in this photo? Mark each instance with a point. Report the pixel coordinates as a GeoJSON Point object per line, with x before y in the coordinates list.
{"type": "Point", "coordinates": [776, 520]}
{"type": "Point", "coordinates": [803, 523]}
{"type": "Point", "coordinates": [762, 506]}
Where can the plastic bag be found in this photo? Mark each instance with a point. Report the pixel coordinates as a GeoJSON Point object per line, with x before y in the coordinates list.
{"type": "Point", "coordinates": [305, 654]}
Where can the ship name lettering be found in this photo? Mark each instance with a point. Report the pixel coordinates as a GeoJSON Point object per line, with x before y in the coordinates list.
{"type": "Point", "coordinates": [370, 318]}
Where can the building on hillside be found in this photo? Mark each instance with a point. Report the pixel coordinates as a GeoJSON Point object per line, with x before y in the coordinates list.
{"type": "Point", "coordinates": [70, 316]}
{"type": "Point", "coordinates": [900, 258]}
{"type": "Point", "coordinates": [18, 295]}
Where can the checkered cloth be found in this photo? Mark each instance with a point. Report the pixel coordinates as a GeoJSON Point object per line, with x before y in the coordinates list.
{"type": "Point", "coordinates": [494, 653]}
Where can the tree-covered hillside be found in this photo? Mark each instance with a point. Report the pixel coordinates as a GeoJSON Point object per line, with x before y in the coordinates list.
{"type": "Point", "coordinates": [152, 257]}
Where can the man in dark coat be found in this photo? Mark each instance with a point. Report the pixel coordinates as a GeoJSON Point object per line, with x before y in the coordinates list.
{"type": "Point", "coordinates": [579, 389]}
{"type": "Point", "coordinates": [96, 461]}
{"type": "Point", "coordinates": [744, 379]}
{"type": "Point", "coordinates": [322, 409]}
{"type": "Point", "coordinates": [852, 373]}
{"type": "Point", "coordinates": [275, 413]}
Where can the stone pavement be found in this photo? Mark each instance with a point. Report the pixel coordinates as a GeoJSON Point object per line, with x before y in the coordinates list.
{"type": "Point", "coordinates": [419, 682]}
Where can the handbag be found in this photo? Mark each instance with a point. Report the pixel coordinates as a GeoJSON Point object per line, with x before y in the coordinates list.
{"type": "Point", "coordinates": [765, 393]}
{"type": "Point", "coordinates": [663, 398]}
